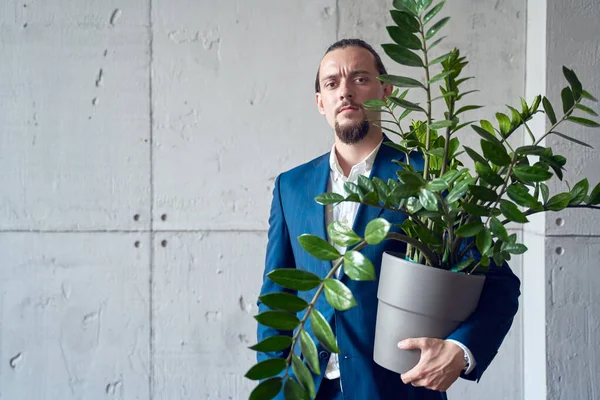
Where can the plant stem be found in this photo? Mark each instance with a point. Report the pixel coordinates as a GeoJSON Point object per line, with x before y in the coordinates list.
{"type": "Point", "coordinates": [429, 256]}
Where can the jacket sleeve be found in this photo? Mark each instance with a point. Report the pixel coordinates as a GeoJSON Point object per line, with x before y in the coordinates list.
{"type": "Point", "coordinates": [279, 255]}
{"type": "Point", "coordinates": [485, 329]}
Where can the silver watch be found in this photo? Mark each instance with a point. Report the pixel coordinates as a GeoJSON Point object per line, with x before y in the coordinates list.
{"type": "Point", "coordinates": [466, 356]}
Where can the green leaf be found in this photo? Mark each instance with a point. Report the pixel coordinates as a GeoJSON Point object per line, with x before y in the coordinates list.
{"type": "Point", "coordinates": [487, 125]}
{"type": "Point", "coordinates": [381, 187]}
{"type": "Point", "coordinates": [595, 196]}
{"type": "Point", "coordinates": [338, 295]}
{"type": "Point", "coordinates": [467, 108]}
{"type": "Point", "coordinates": [459, 190]}
{"type": "Point", "coordinates": [558, 202]}
{"type": "Point", "coordinates": [586, 109]}
{"type": "Point", "coordinates": [476, 210]}
{"type": "Point", "coordinates": [281, 320]}
{"type": "Point", "coordinates": [549, 110]}
{"type": "Point", "coordinates": [295, 279]}
{"type": "Point", "coordinates": [512, 212]}
{"type": "Point", "coordinates": [534, 150]}
{"type": "Point", "coordinates": [342, 235]}
{"type": "Point", "coordinates": [567, 99]}
{"type": "Point", "coordinates": [266, 369]}
{"type": "Point", "coordinates": [573, 81]}
{"type": "Point", "coordinates": [426, 236]}
{"type": "Point", "coordinates": [451, 176]}
{"type": "Point", "coordinates": [584, 122]}
{"type": "Point", "coordinates": [374, 103]}
{"type": "Point", "coordinates": [441, 124]}
{"type": "Point", "coordinates": [433, 12]}
{"type": "Point", "coordinates": [498, 229]}
{"type": "Point", "coordinates": [365, 184]}
{"type": "Point", "coordinates": [303, 375]}
{"type": "Point", "coordinates": [438, 41]}
{"type": "Point", "coordinates": [283, 301]}
{"type": "Point", "coordinates": [402, 55]}
{"type": "Point", "coordinates": [532, 173]}
{"type": "Point", "coordinates": [571, 139]}
{"type": "Point", "coordinates": [273, 343]}
{"type": "Point", "coordinates": [377, 230]}
{"type": "Point", "coordinates": [486, 135]}
{"type": "Point", "coordinates": [488, 175]}
{"type": "Point", "coordinates": [404, 38]}
{"type": "Point", "coordinates": [396, 146]}
{"type": "Point", "coordinates": [358, 267]}
{"type": "Point", "coordinates": [520, 195]}
{"type": "Point", "coordinates": [350, 188]}
{"type": "Point", "coordinates": [406, 5]}
{"type": "Point", "coordinates": [400, 81]}
{"type": "Point", "coordinates": [318, 247]}
{"type": "Point", "coordinates": [504, 123]}
{"type": "Point", "coordinates": [516, 116]}
{"type": "Point", "coordinates": [579, 192]}
{"type": "Point", "coordinates": [475, 156]}
{"type": "Point", "coordinates": [588, 96]}
{"type": "Point", "coordinates": [470, 229]}
{"type": "Point", "coordinates": [462, 265]}
{"type": "Point", "coordinates": [406, 104]}
{"type": "Point", "coordinates": [329, 198]}
{"type": "Point", "coordinates": [440, 76]}
{"type": "Point", "coordinates": [323, 331]}
{"type": "Point", "coordinates": [545, 192]}
{"type": "Point", "coordinates": [483, 193]}
{"type": "Point", "coordinates": [496, 154]}
{"type": "Point", "coordinates": [267, 389]}
{"type": "Point", "coordinates": [536, 104]}
{"type": "Point", "coordinates": [309, 350]}
{"type": "Point", "coordinates": [405, 21]}
{"type": "Point", "coordinates": [440, 59]}
{"type": "Point", "coordinates": [483, 241]}
{"type": "Point", "coordinates": [437, 185]}
{"type": "Point", "coordinates": [292, 390]}
{"type": "Point", "coordinates": [436, 27]}
{"type": "Point", "coordinates": [428, 200]}
{"type": "Point", "coordinates": [515, 248]}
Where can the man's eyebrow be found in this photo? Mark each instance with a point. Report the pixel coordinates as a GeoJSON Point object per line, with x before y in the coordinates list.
{"type": "Point", "coordinates": [353, 73]}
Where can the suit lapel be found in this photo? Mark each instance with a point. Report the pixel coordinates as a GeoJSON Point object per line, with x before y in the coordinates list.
{"type": "Point", "coordinates": [316, 184]}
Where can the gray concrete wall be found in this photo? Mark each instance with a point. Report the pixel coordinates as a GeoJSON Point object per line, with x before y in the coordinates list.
{"type": "Point", "coordinates": [139, 141]}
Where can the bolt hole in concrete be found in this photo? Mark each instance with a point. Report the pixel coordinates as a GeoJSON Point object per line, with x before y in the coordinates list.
{"type": "Point", "coordinates": [560, 251]}
{"type": "Point", "coordinates": [137, 243]}
{"type": "Point", "coordinates": [560, 221]}
{"type": "Point", "coordinates": [163, 217]}
{"type": "Point", "coordinates": [163, 243]}
{"type": "Point", "coordinates": [136, 217]}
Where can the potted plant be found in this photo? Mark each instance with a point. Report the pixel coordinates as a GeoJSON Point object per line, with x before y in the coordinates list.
{"type": "Point", "coordinates": [452, 218]}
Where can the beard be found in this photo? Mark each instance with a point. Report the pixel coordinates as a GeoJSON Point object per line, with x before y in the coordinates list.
{"type": "Point", "coordinates": [352, 133]}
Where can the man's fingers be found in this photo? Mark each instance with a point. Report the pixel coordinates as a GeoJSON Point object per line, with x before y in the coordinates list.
{"type": "Point", "coordinates": [412, 343]}
{"type": "Point", "coordinates": [414, 374]}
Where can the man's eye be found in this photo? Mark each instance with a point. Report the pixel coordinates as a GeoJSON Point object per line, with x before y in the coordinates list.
{"type": "Point", "coordinates": [329, 84]}
{"type": "Point", "coordinates": [361, 79]}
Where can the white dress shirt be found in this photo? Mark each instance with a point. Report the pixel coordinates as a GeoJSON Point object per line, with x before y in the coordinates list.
{"type": "Point", "coordinates": [346, 213]}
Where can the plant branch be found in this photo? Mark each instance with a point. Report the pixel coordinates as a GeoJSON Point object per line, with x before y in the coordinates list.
{"type": "Point", "coordinates": [429, 256]}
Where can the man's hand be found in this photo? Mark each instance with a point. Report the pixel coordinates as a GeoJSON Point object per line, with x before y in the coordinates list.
{"type": "Point", "coordinates": [440, 365]}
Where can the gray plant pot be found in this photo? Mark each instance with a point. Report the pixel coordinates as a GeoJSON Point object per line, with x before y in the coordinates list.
{"type": "Point", "coordinates": [418, 301]}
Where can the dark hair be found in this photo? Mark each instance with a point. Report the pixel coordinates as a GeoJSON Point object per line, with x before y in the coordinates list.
{"type": "Point", "coordinates": [342, 44]}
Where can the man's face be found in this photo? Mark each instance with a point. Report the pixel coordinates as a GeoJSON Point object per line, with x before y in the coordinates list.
{"type": "Point", "coordinates": [348, 77]}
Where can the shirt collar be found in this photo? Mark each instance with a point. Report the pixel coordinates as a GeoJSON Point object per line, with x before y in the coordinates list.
{"type": "Point", "coordinates": [360, 168]}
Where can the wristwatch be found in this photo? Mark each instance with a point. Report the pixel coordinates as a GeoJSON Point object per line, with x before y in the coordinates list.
{"type": "Point", "coordinates": [467, 361]}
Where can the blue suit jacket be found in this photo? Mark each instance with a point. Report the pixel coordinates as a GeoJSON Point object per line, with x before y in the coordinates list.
{"type": "Point", "coordinates": [294, 212]}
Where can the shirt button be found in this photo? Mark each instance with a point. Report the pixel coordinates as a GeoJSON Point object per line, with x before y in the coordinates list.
{"type": "Point", "coordinates": [323, 355]}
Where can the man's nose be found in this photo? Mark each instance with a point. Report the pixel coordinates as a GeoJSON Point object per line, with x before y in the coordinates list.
{"type": "Point", "coordinates": [346, 92]}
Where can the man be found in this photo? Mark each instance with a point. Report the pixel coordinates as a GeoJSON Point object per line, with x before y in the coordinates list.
{"type": "Point", "coordinates": [347, 76]}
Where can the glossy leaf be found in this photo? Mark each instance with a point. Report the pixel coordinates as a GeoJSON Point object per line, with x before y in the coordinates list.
{"type": "Point", "coordinates": [365, 184]}
{"type": "Point", "coordinates": [267, 389]}
{"type": "Point", "coordinates": [441, 124]}
{"type": "Point", "coordinates": [532, 173]}
{"type": "Point", "coordinates": [545, 192]}
{"type": "Point", "coordinates": [405, 21]}
{"type": "Point", "coordinates": [293, 391]}
{"type": "Point", "coordinates": [483, 241]}
{"type": "Point", "coordinates": [571, 139]}
{"type": "Point", "coordinates": [549, 110]}
{"type": "Point", "coordinates": [377, 230]}
{"type": "Point", "coordinates": [318, 247]}
{"type": "Point", "coordinates": [496, 154]}
{"type": "Point", "coordinates": [266, 369]}
{"type": "Point", "coordinates": [573, 81]}
{"type": "Point", "coordinates": [498, 229]}
{"type": "Point", "coordinates": [475, 156]}
{"type": "Point", "coordinates": [594, 196]}
{"type": "Point", "coordinates": [558, 202]}
{"type": "Point", "coordinates": [586, 109]}
{"type": "Point", "coordinates": [400, 81]}
{"type": "Point", "coordinates": [486, 135]}
{"type": "Point", "coordinates": [579, 192]}
{"type": "Point", "coordinates": [520, 195]}
{"type": "Point", "coordinates": [467, 108]}
{"type": "Point", "coordinates": [512, 212]}
{"type": "Point", "coordinates": [483, 193]}
{"type": "Point", "coordinates": [323, 331]}
{"type": "Point", "coordinates": [459, 190]}
{"type": "Point", "coordinates": [433, 12]}
{"type": "Point", "coordinates": [309, 350]}
{"type": "Point", "coordinates": [281, 320]}
{"type": "Point", "coordinates": [440, 76]}
{"type": "Point", "coordinates": [402, 55]}
{"type": "Point", "coordinates": [461, 266]}
{"type": "Point", "coordinates": [404, 38]}
{"type": "Point", "coordinates": [406, 5]}
{"type": "Point", "coordinates": [273, 343]}
{"type": "Point", "coordinates": [470, 229]}
{"type": "Point", "coordinates": [476, 210]}
{"type": "Point", "coordinates": [567, 99]}
{"type": "Point", "coordinates": [503, 123]}
{"type": "Point", "coordinates": [329, 198]}
{"type": "Point", "coordinates": [583, 121]}
{"type": "Point", "coordinates": [283, 301]}
{"type": "Point", "coordinates": [488, 175]}
{"type": "Point", "coordinates": [534, 150]}
{"type": "Point", "coordinates": [358, 267]}
{"type": "Point", "coordinates": [342, 235]}
{"type": "Point", "coordinates": [303, 375]}
{"type": "Point", "coordinates": [338, 295]}
{"type": "Point", "coordinates": [426, 236]}
{"type": "Point", "coordinates": [295, 279]}
{"type": "Point", "coordinates": [428, 200]}
{"type": "Point", "coordinates": [406, 104]}
{"type": "Point", "coordinates": [437, 185]}
{"type": "Point", "coordinates": [440, 59]}
{"type": "Point", "coordinates": [436, 28]}
{"type": "Point", "coordinates": [588, 96]}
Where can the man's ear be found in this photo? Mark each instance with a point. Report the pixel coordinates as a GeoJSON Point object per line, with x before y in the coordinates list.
{"type": "Point", "coordinates": [387, 90]}
{"type": "Point", "coordinates": [319, 101]}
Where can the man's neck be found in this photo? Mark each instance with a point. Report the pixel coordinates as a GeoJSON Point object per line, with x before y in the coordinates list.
{"type": "Point", "coordinates": [348, 155]}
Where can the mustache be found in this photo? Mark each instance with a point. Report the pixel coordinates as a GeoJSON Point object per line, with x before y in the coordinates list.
{"type": "Point", "coordinates": [348, 104]}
